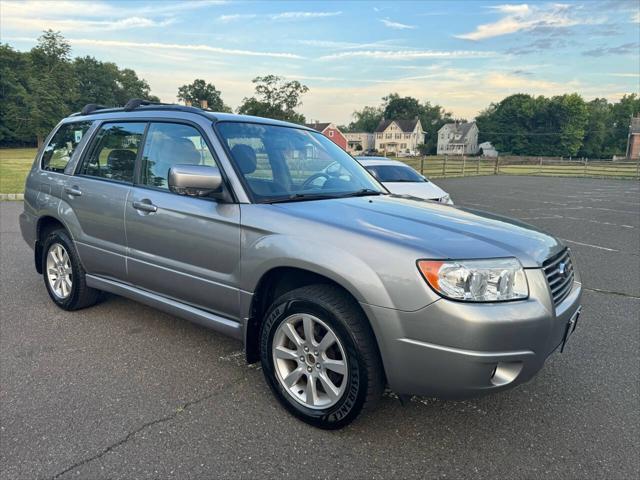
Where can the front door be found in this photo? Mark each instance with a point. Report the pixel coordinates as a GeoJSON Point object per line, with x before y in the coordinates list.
{"type": "Point", "coordinates": [97, 194]}
{"type": "Point", "coordinates": [185, 248]}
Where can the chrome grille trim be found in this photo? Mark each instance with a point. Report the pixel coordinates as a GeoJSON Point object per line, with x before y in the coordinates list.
{"type": "Point", "coordinates": [560, 285]}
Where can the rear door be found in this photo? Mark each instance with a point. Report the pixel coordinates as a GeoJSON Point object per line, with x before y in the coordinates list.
{"type": "Point", "coordinates": [98, 192]}
{"type": "Point", "coordinates": [186, 248]}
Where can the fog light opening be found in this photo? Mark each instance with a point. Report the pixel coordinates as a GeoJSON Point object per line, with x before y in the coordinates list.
{"type": "Point", "coordinates": [505, 372]}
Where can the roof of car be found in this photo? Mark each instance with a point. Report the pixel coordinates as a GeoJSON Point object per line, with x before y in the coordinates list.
{"type": "Point", "coordinates": [170, 110]}
{"type": "Point", "coordinates": [367, 161]}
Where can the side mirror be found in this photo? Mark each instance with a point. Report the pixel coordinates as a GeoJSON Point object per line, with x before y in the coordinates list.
{"type": "Point", "coordinates": [196, 180]}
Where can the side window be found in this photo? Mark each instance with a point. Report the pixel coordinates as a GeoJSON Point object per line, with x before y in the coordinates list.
{"type": "Point", "coordinates": [114, 151]}
{"type": "Point", "coordinates": [170, 144]}
{"type": "Point", "coordinates": [62, 145]}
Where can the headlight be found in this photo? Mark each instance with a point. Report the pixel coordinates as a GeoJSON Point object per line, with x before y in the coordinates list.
{"type": "Point", "coordinates": [494, 280]}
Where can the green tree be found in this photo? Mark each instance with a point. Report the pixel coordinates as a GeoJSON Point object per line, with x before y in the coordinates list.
{"type": "Point", "coordinates": [275, 98]}
{"type": "Point", "coordinates": [44, 85]}
{"type": "Point", "coordinates": [621, 113]}
{"type": "Point", "coordinates": [568, 117]}
{"type": "Point", "coordinates": [200, 90]}
{"type": "Point", "coordinates": [52, 87]}
{"type": "Point", "coordinates": [508, 124]}
{"type": "Point", "coordinates": [598, 129]}
{"type": "Point", "coordinates": [14, 97]}
{"type": "Point", "coordinates": [130, 86]}
{"type": "Point", "coordinates": [366, 120]}
{"type": "Point", "coordinates": [96, 82]}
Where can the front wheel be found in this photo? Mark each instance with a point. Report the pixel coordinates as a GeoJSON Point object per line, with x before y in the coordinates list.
{"type": "Point", "coordinates": [320, 357]}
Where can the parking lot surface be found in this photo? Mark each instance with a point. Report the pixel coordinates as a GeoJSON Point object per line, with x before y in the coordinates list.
{"type": "Point", "coordinates": [123, 391]}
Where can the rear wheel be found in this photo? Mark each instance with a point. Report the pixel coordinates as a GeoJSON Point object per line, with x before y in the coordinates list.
{"type": "Point", "coordinates": [64, 275]}
{"type": "Point", "coordinates": [319, 356]}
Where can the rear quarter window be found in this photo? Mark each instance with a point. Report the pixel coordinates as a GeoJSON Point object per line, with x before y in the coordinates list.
{"type": "Point", "coordinates": [60, 148]}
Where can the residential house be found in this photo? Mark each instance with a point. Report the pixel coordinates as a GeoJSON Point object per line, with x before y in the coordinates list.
{"type": "Point", "coordinates": [330, 131]}
{"type": "Point", "coordinates": [399, 137]}
{"type": "Point", "coordinates": [487, 150]}
{"type": "Point", "coordinates": [358, 143]}
{"type": "Point", "coordinates": [633, 141]}
{"type": "Point", "coordinates": [459, 138]}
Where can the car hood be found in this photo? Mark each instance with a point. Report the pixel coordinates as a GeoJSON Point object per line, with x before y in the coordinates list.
{"type": "Point", "coordinates": [431, 229]}
{"type": "Point", "coordinates": [426, 190]}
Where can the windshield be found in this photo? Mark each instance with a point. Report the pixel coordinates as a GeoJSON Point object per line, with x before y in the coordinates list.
{"type": "Point", "coordinates": [285, 164]}
{"type": "Point", "coordinates": [395, 173]}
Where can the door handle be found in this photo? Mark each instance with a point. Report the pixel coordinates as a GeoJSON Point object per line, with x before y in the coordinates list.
{"type": "Point", "coordinates": [73, 191]}
{"type": "Point", "coordinates": [145, 206]}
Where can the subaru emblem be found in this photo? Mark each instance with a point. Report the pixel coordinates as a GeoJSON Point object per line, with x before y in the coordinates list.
{"type": "Point", "coordinates": [562, 269]}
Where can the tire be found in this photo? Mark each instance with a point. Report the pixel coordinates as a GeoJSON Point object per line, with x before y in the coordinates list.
{"type": "Point", "coordinates": [315, 401]}
{"type": "Point", "coordinates": [77, 295]}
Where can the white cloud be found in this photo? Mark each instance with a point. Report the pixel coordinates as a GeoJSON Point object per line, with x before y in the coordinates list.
{"type": "Point", "coordinates": [302, 15]}
{"type": "Point", "coordinates": [277, 16]}
{"type": "Point", "coordinates": [386, 44]}
{"type": "Point", "coordinates": [625, 75]}
{"type": "Point", "coordinates": [235, 16]}
{"type": "Point", "coordinates": [636, 18]}
{"type": "Point", "coordinates": [409, 54]}
{"type": "Point", "coordinates": [83, 25]}
{"type": "Point", "coordinates": [523, 17]}
{"type": "Point", "coordinates": [396, 25]}
{"type": "Point", "coordinates": [512, 9]}
{"type": "Point", "coordinates": [167, 47]}
{"type": "Point", "coordinates": [68, 15]}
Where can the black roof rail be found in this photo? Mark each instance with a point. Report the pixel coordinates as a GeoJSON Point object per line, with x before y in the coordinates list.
{"type": "Point", "coordinates": [90, 108]}
{"type": "Point", "coordinates": [137, 102]}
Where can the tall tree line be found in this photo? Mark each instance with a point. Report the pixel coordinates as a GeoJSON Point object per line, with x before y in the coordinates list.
{"type": "Point", "coordinates": [521, 124]}
{"type": "Point", "coordinates": [563, 125]}
{"type": "Point", "coordinates": [40, 87]}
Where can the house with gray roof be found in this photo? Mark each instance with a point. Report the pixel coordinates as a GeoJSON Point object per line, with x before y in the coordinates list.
{"type": "Point", "coordinates": [399, 137]}
{"type": "Point", "coordinates": [458, 138]}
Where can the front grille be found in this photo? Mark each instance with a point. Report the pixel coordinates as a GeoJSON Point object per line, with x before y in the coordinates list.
{"type": "Point", "coordinates": [560, 283]}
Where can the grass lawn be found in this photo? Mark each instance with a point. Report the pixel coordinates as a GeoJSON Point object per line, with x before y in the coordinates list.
{"type": "Point", "coordinates": [15, 164]}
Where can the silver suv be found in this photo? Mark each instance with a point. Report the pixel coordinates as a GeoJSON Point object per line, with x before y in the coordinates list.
{"type": "Point", "coordinates": [336, 286]}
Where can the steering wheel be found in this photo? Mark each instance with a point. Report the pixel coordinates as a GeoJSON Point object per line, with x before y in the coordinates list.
{"type": "Point", "coordinates": [309, 181]}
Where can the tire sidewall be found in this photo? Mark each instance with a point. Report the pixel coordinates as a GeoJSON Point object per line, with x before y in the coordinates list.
{"type": "Point", "coordinates": [61, 237]}
{"type": "Point", "coordinates": [354, 397]}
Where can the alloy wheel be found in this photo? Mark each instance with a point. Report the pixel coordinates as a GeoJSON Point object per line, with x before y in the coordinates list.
{"type": "Point", "coordinates": [310, 361]}
{"type": "Point", "coordinates": [59, 272]}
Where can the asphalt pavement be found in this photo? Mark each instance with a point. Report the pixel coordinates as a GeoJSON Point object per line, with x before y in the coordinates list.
{"type": "Point", "coordinates": [123, 391]}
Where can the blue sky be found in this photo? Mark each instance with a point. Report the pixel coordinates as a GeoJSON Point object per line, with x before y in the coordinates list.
{"type": "Point", "coordinates": [462, 55]}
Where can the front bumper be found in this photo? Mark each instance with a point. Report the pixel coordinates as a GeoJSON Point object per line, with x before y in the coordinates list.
{"type": "Point", "coordinates": [454, 349]}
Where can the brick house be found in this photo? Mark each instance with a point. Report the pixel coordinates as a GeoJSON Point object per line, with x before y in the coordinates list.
{"type": "Point", "coordinates": [399, 137]}
{"type": "Point", "coordinates": [330, 131]}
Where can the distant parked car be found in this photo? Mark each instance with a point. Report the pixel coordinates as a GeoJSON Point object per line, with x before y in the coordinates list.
{"type": "Point", "coordinates": [401, 179]}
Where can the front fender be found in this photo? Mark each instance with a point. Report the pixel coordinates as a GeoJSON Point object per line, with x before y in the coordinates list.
{"type": "Point", "coordinates": [347, 270]}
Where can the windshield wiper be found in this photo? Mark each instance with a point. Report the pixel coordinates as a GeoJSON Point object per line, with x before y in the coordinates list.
{"type": "Point", "coordinates": [362, 193]}
{"type": "Point", "coordinates": [300, 197]}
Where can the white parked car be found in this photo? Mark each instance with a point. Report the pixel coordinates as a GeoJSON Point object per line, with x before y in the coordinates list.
{"type": "Point", "coordinates": [401, 179]}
